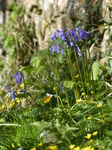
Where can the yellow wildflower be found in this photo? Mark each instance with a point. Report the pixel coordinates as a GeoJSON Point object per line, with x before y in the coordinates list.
{"type": "Point", "coordinates": [92, 92]}
{"type": "Point", "coordinates": [77, 148]}
{"type": "Point", "coordinates": [91, 141]}
{"type": "Point", "coordinates": [95, 133]}
{"type": "Point", "coordinates": [47, 99]}
{"type": "Point", "coordinates": [11, 104]}
{"type": "Point", "coordinates": [100, 121]}
{"type": "Point", "coordinates": [72, 146]}
{"type": "Point", "coordinates": [99, 105]}
{"type": "Point", "coordinates": [13, 145]}
{"type": "Point", "coordinates": [52, 147]}
{"type": "Point", "coordinates": [0, 93]}
{"type": "Point", "coordinates": [54, 88]}
{"type": "Point", "coordinates": [88, 136]}
{"type": "Point", "coordinates": [18, 144]}
{"type": "Point", "coordinates": [91, 101]}
{"type": "Point", "coordinates": [87, 148]}
{"type": "Point", "coordinates": [18, 100]}
{"type": "Point", "coordinates": [90, 117]}
{"type": "Point", "coordinates": [78, 101]}
{"type": "Point", "coordinates": [2, 107]}
{"type": "Point", "coordinates": [33, 148]}
{"type": "Point", "coordinates": [66, 101]}
{"type": "Point", "coordinates": [83, 94]}
{"type": "Point", "coordinates": [77, 76]}
{"type": "Point", "coordinates": [102, 116]}
{"type": "Point", "coordinates": [40, 144]}
{"type": "Point", "coordinates": [21, 85]}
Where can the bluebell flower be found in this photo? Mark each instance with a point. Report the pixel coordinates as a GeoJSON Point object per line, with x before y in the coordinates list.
{"type": "Point", "coordinates": [54, 35]}
{"type": "Point", "coordinates": [13, 95]}
{"type": "Point", "coordinates": [45, 133]}
{"type": "Point", "coordinates": [62, 35]}
{"type": "Point", "coordinates": [6, 87]}
{"type": "Point", "coordinates": [62, 52]}
{"type": "Point", "coordinates": [86, 34]}
{"type": "Point", "coordinates": [76, 36]}
{"type": "Point", "coordinates": [18, 77]}
{"type": "Point", "coordinates": [57, 49]}
{"type": "Point", "coordinates": [61, 87]}
{"type": "Point", "coordinates": [79, 51]}
{"type": "Point", "coordinates": [83, 34]}
{"type": "Point", "coordinates": [72, 45]}
{"type": "Point", "coordinates": [63, 90]}
{"type": "Point", "coordinates": [72, 32]}
{"type": "Point", "coordinates": [52, 49]}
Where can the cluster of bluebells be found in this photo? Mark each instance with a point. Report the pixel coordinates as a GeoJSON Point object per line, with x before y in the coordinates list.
{"type": "Point", "coordinates": [68, 36]}
{"type": "Point", "coordinates": [18, 77]}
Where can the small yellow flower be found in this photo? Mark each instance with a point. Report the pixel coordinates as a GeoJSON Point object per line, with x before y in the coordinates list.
{"type": "Point", "coordinates": [91, 141]}
{"type": "Point", "coordinates": [79, 101]}
{"type": "Point", "coordinates": [66, 101]}
{"type": "Point", "coordinates": [33, 148]}
{"type": "Point", "coordinates": [18, 144]}
{"type": "Point", "coordinates": [18, 100]}
{"type": "Point", "coordinates": [92, 92]}
{"type": "Point", "coordinates": [13, 145]}
{"type": "Point", "coordinates": [77, 76]}
{"type": "Point", "coordinates": [91, 101]}
{"type": "Point", "coordinates": [0, 93]}
{"type": "Point", "coordinates": [77, 148]}
{"type": "Point", "coordinates": [83, 94]}
{"type": "Point", "coordinates": [54, 88]}
{"type": "Point", "coordinates": [2, 107]}
{"type": "Point", "coordinates": [87, 148]}
{"type": "Point", "coordinates": [52, 147]}
{"type": "Point", "coordinates": [88, 136]}
{"type": "Point", "coordinates": [99, 105]}
{"type": "Point", "coordinates": [40, 144]}
{"type": "Point", "coordinates": [95, 133]}
{"type": "Point", "coordinates": [72, 146]}
{"type": "Point", "coordinates": [21, 85]}
{"type": "Point", "coordinates": [47, 99]}
{"type": "Point", "coordinates": [100, 121]}
{"type": "Point", "coordinates": [90, 117]}
{"type": "Point", "coordinates": [11, 104]}
{"type": "Point", "coordinates": [102, 116]}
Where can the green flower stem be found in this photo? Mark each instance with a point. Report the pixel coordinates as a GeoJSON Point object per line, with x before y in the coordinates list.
{"type": "Point", "coordinates": [79, 70]}
{"type": "Point", "coordinates": [56, 89]}
{"type": "Point", "coordinates": [25, 91]}
{"type": "Point", "coordinates": [61, 102]}
{"type": "Point", "coordinates": [72, 74]}
{"type": "Point", "coordinates": [57, 98]}
{"type": "Point", "coordinates": [68, 102]}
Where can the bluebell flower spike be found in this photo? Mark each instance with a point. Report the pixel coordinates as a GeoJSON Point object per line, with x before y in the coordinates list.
{"type": "Point", "coordinates": [13, 95]}
{"type": "Point", "coordinates": [18, 77]}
